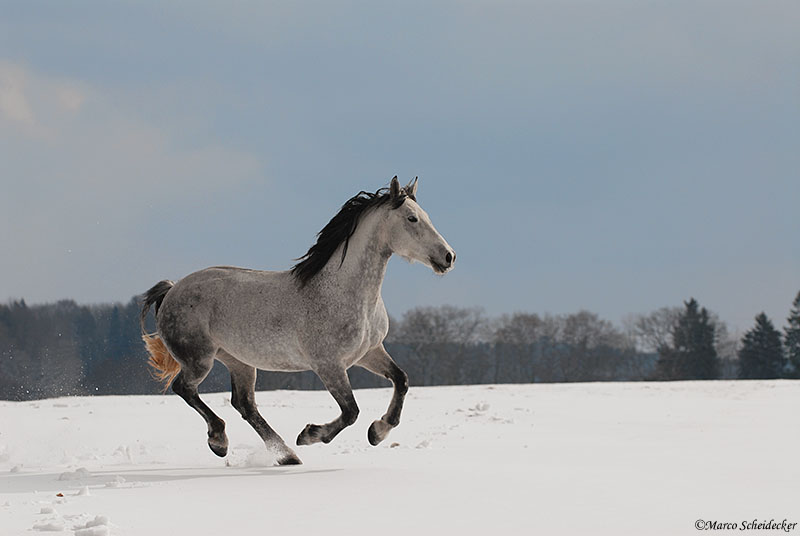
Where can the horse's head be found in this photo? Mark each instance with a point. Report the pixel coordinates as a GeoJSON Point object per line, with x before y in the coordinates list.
{"type": "Point", "coordinates": [411, 233]}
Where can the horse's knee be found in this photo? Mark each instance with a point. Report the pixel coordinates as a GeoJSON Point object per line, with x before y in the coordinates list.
{"type": "Point", "coordinates": [350, 415]}
{"type": "Point", "coordinates": [247, 411]}
{"type": "Point", "coordinates": [400, 381]}
{"type": "Point", "coordinates": [239, 405]}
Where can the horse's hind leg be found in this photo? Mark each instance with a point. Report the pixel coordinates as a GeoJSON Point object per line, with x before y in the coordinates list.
{"type": "Point", "coordinates": [380, 362]}
{"type": "Point", "coordinates": [243, 383]}
{"type": "Point", "coordinates": [338, 385]}
{"type": "Point", "coordinates": [193, 371]}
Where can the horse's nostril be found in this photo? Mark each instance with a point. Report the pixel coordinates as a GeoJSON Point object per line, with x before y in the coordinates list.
{"type": "Point", "coordinates": [454, 256]}
{"type": "Point", "coordinates": [448, 258]}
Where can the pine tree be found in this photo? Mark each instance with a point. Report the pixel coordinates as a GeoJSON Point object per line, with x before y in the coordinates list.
{"type": "Point", "coordinates": [692, 355]}
{"type": "Point", "coordinates": [761, 355]}
{"type": "Point", "coordinates": [791, 339]}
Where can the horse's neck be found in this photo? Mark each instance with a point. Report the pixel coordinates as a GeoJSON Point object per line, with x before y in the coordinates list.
{"type": "Point", "coordinates": [359, 278]}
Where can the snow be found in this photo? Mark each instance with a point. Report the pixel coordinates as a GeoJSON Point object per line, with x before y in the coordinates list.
{"type": "Point", "coordinates": [49, 526]}
{"type": "Point", "coordinates": [81, 473]}
{"type": "Point", "coordinates": [603, 458]}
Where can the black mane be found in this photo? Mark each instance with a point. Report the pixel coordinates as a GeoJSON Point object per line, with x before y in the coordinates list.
{"type": "Point", "coordinates": [340, 229]}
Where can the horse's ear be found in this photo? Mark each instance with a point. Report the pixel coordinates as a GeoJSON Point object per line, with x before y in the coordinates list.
{"type": "Point", "coordinates": [411, 189]}
{"type": "Point", "coordinates": [394, 188]}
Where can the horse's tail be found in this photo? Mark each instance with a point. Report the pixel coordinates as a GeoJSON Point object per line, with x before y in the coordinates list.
{"type": "Point", "coordinates": [164, 366]}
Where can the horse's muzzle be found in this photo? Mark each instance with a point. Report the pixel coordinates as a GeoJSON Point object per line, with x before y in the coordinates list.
{"type": "Point", "coordinates": [445, 264]}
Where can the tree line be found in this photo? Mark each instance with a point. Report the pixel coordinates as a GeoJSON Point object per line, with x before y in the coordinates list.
{"type": "Point", "coordinates": [69, 349]}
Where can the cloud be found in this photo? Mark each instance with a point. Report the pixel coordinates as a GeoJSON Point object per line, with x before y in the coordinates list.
{"type": "Point", "coordinates": [14, 106]}
{"type": "Point", "coordinates": [83, 172]}
{"type": "Point", "coordinates": [70, 98]}
{"type": "Point", "coordinates": [32, 105]}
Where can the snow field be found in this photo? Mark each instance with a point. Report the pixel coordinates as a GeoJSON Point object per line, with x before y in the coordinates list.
{"type": "Point", "coordinates": [603, 458]}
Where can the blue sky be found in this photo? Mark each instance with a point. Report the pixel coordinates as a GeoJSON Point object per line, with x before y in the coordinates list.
{"type": "Point", "coordinates": [610, 156]}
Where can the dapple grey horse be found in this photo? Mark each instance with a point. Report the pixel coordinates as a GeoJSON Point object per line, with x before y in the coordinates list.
{"type": "Point", "coordinates": [326, 314]}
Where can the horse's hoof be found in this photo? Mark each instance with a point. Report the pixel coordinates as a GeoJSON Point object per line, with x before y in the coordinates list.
{"type": "Point", "coordinates": [218, 447]}
{"type": "Point", "coordinates": [378, 431]}
{"type": "Point", "coordinates": [312, 433]}
{"type": "Point", "coordinates": [290, 459]}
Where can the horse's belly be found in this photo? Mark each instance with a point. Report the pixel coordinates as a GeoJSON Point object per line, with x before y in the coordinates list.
{"type": "Point", "coordinates": [275, 351]}
{"type": "Point", "coordinates": [280, 364]}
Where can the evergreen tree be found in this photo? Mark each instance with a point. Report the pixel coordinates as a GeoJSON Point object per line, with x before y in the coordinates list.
{"type": "Point", "coordinates": [792, 339]}
{"type": "Point", "coordinates": [761, 355]}
{"type": "Point", "coordinates": [692, 354]}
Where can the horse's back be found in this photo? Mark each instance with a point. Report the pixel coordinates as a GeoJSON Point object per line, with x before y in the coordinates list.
{"type": "Point", "coordinates": [215, 282]}
{"type": "Point", "coordinates": [204, 291]}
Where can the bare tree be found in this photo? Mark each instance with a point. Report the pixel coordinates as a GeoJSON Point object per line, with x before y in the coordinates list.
{"type": "Point", "coordinates": [445, 323]}
{"type": "Point", "coordinates": [548, 349]}
{"type": "Point", "coordinates": [727, 345]}
{"type": "Point", "coordinates": [653, 330]}
{"type": "Point", "coordinates": [519, 328]}
{"type": "Point", "coordinates": [575, 347]}
{"type": "Point", "coordinates": [591, 347]}
{"type": "Point", "coordinates": [438, 336]}
{"type": "Point", "coordinates": [515, 340]}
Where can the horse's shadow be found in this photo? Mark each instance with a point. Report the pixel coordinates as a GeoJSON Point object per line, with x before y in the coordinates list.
{"type": "Point", "coordinates": [136, 477]}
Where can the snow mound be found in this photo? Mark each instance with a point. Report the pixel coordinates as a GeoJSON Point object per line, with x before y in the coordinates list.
{"type": "Point", "coordinates": [96, 527]}
{"type": "Point", "coordinates": [53, 525]}
{"type": "Point", "coordinates": [116, 483]}
{"type": "Point", "coordinates": [101, 530]}
{"type": "Point", "coordinates": [80, 473]}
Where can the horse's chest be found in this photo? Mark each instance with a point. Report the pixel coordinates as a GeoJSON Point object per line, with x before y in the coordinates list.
{"type": "Point", "coordinates": [351, 336]}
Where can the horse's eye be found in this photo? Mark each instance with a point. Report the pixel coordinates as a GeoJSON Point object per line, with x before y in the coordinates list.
{"type": "Point", "coordinates": [413, 219]}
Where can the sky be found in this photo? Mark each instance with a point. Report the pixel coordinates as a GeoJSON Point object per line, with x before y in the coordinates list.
{"type": "Point", "coordinates": [610, 156]}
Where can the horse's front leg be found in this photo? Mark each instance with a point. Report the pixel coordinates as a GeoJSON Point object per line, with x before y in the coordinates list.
{"type": "Point", "coordinates": [380, 362]}
{"type": "Point", "coordinates": [338, 384]}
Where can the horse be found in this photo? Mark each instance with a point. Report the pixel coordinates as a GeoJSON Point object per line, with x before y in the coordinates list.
{"type": "Point", "coordinates": [325, 314]}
